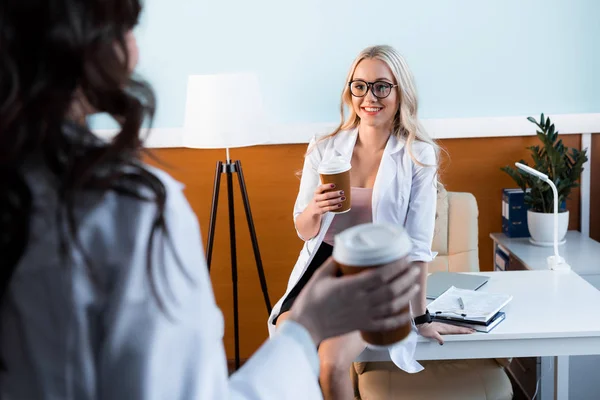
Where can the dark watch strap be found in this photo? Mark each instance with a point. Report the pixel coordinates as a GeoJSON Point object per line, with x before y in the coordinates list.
{"type": "Point", "coordinates": [423, 319]}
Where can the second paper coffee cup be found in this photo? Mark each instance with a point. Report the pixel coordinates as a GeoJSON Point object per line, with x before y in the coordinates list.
{"type": "Point", "coordinates": [337, 171]}
{"type": "Point", "coordinates": [368, 246]}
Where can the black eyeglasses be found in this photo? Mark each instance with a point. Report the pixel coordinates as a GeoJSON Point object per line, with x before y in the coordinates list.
{"type": "Point", "coordinates": [380, 89]}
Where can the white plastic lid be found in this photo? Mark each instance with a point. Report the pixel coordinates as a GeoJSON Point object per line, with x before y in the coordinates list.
{"type": "Point", "coordinates": [334, 166]}
{"type": "Point", "coordinates": [371, 244]}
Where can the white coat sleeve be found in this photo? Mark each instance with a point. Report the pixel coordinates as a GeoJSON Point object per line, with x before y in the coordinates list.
{"type": "Point", "coordinates": [420, 219]}
{"type": "Point", "coordinates": [309, 180]}
{"type": "Point", "coordinates": [177, 352]}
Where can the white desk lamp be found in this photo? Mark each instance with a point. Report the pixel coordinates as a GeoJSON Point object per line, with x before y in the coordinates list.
{"type": "Point", "coordinates": [224, 111]}
{"type": "Point", "coordinates": [555, 262]}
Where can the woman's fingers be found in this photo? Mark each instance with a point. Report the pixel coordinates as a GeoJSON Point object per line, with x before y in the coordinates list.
{"type": "Point", "coordinates": [396, 304]}
{"type": "Point", "coordinates": [461, 330]}
{"type": "Point", "coordinates": [327, 199]}
{"type": "Point", "coordinates": [330, 202]}
{"type": "Point", "coordinates": [337, 195]}
{"type": "Point", "coordinates": [385, 290]}
{"type": "Point", "coordinates": [449, 329]}
{"type": "Point", "coordinates": [378, 277]}
{"type": "Point", "coordinates": [436, 336]}
{"type": "Point", "coordinates": [331, 208]}
{"type": "Point", "coordinates": [324, 188]}
{"type": "Point", "coordinates": [397, 286]}
{"type": "Point", "coordinates": [389, 322]}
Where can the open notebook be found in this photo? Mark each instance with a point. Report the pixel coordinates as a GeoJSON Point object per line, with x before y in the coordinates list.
{"type": "Point", "coordinates": [478, 306]}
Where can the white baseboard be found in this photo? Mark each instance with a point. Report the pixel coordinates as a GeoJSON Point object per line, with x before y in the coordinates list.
{"type": "Point", "coordinates": [438, 128]}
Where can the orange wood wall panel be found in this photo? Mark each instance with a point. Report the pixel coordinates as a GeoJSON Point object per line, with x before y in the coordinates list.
{"type": "Point", "coordinates": [595, 188]}
{"type": "Point", "coordinates": [269, 172]}
{"type": "Point", "coordinates": [472, 165]}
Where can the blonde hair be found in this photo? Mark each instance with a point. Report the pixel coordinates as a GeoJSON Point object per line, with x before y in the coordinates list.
{"type": "Point", "coordinates": [406, 124]}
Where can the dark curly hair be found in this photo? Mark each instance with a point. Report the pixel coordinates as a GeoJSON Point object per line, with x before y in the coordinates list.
{"type": "Point", "coordinates": [53, 52]}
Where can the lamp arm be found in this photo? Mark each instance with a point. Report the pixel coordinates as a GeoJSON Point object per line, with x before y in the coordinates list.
{"type": "Point", "coordinates": [555, 193]}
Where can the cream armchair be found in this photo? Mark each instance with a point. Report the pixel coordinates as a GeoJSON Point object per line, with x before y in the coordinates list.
{"type": "Point", "coordinates": [456, 233]}
{"type": "Point", "coordinates": [455, 241]}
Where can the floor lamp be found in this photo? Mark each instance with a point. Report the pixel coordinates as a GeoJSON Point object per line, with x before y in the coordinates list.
{"type": "Point", "coordinates": [225, 111]}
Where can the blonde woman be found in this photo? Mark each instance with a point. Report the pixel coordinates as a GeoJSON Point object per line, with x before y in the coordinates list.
{"type": "Point", "coordinates": [393, 179]}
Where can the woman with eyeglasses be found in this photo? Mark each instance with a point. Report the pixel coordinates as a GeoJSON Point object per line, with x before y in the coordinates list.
{"type": "Point", "coordinates": [394, 180]}
{"type": "Point", "coordinates": [104, 290]}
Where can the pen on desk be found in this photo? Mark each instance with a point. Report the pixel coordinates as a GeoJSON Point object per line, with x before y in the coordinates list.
{"type": "Point", "coordinates": [461, 304]}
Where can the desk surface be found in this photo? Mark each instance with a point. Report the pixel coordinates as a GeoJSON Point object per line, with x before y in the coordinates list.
{"type": "Point", "coordinates": [580, 252]}
{"type": "Point", "coordinates": [551, 314]}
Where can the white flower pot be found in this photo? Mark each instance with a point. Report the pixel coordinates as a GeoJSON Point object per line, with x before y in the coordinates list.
{"type": "Point", "coordinates": [541, 227]}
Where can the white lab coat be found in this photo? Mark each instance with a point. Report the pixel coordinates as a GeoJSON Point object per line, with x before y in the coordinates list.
{"type": "Point", "coordinates": [404, 193]}
{"type": "Point", "coordinates": [65, 336]}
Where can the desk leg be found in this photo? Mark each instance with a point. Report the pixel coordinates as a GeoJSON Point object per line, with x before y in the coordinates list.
{"type": "Point", "coordinates": [554, 382]}
{"type": "Point", "coordinates": [561, 378]}
{"type": "Point", "coordinates": [546, 388]}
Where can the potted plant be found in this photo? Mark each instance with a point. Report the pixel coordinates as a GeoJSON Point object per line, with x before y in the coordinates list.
{"type": "Point", "coordinates": [563, 165]}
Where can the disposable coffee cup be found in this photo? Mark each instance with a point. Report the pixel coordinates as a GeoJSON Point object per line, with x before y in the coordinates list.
{"type": "Point", "coordinates": [337, 172]}
{"type": "Point", "coordinates": [373, 245]}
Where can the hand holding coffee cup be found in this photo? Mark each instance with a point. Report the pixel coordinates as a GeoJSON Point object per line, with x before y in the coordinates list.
{"type": "Point", "coordinates": [373, 300]}
{"type": "Point", "coordinates": [367, 246]}
{"type": "Point", "coordinates": [327, 199]}
{"type": "Point", "coordinates": [335, 178]}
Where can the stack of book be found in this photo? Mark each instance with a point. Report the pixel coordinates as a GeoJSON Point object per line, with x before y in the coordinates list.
{"type": "Point", "coordinates": [480, 311]}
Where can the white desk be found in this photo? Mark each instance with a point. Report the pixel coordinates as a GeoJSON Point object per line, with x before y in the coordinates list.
{"type": "Point", "coordinates": [550, 315]}
{"type": "Point", "coordinates": [583, 255]}
{"type": "Point", "coordinates": [580, 252]}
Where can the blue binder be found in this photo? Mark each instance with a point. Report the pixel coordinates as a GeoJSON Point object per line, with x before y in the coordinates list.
{"type": "Point", "coordinates": [514, 213]}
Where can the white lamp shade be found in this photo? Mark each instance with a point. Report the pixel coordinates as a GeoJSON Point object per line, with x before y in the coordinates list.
{"type": "Point", "coordinates": [223, 111]}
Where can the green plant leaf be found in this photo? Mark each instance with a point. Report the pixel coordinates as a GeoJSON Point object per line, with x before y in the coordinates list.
{"type": "Point", "coordinates": [562, 164]}
{"type": "Point", "coordinates": [516, 176]}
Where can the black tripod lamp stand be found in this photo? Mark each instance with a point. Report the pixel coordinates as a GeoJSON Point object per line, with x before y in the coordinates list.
{"type": "Point", "coordinates": [224, 111]}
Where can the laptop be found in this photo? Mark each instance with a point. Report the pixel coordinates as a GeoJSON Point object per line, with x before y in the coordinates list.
{"type": "Point", "coordinates": [439, 282]}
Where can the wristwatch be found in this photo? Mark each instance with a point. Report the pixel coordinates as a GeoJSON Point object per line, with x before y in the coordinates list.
{"type": "Point", "coordinates": [424, 319]}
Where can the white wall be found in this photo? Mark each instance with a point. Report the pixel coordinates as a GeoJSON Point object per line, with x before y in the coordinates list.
{"type": "Point", "coordinates": [471, 58]}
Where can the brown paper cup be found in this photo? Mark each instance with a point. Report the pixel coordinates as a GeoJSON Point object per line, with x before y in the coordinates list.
{"type": "Point", "coordinates": [337, 171]}
{"type": "Point", "coordinates": [381, 338]}
{"type": "Point", "coordinates": [369, 246]}
{"type": "Point", "coordinates": [341, 182]}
